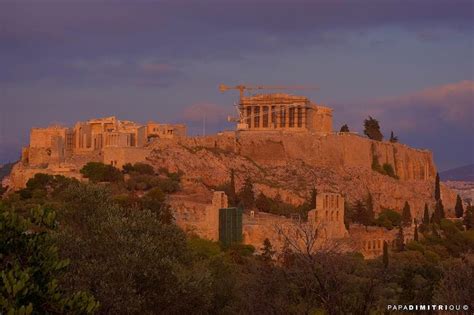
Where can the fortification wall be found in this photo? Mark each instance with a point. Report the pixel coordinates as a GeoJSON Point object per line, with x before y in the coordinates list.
{"type": "Point", "coordinates": [118, 156]}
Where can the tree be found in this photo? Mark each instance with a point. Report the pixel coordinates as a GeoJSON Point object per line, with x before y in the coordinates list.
{"type": "Point", "coordinates": [232, 195]}
{"type": "Point", "coordinates": [469, 218]}
{"type": "Point", "coordinates": [406, 215]}
{"type": "Point", "coordinates": [459, 209]}
{"type": "Point", "coordinates": [437, 191]}
{"type": "Point", "coordinates": [400, 241]}
{"type": "Point", "coordinates": [363, 212]}
{"type": "Point", "coordinates": [426, 216]}
{"type": "Point", "coordinates": [267, 251]}
{"type": "Point", "coordinates": [388, 218]}
{"type": "Point", "coordinates": [246, 194]}
{"type": "Point", "coordinates": [314, 193]}
{"type": "Point", "coordinates": [385, 254]}
{"type": "Point", "coordinates": [372, 129]}
{"type": "Point", "coordinates": [30, 267]}
{"type": "Point", "coordinates": [100, 172]}
{"type": "Point", "coordinates": [344, 128]}
{"type": "Point", "coordinates": [393, 138]}
{"type": "Point", "coordinates": [415, 234]}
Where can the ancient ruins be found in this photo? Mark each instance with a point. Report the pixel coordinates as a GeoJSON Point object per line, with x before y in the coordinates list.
{"type": "Point", "coordinates": [285, 143]}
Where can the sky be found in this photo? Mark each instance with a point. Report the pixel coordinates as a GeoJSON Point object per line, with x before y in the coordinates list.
{"type": "Point", "coordinates": [409, 64]}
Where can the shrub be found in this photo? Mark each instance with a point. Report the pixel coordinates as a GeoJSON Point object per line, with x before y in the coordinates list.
{"type": "Point", "coordinates": [388, 218]}
{"type": "Point", "coordinates": [140, 168]}
{"type": "Point", "coordinates": [100, 172]}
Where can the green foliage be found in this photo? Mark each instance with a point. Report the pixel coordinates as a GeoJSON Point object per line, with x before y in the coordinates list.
{"type": "Point", "coordinates": [344, 128]}
{"type": "Point", "coordinates": [268, 253]}
{"type": "Point", "coordinates": [246, 195]}
{"type": "Point", "coordinates": [362, 212]}
{"type": "Point", "coordinates": [135, 263]}
{"type": "Point", "coordinates": [100, 172]}
{"type": "Point", "coordinates": [406, 215]}
{"type": "Point", "coordinates": [426, 215]}
{"type": "Point", "coordinates": [388, 218]}
{"type": "Point", "coordinates": [385, 257]}
{"type": "Point", "coordinates": [138, 168]}
{"type": "Point", "coordinates": [400, 241]}
{"type": "Point", "coordinates": [469, 218]}
{"type": "Point", "coordinates": [30, 266]}
{"type": "Point", "coordinates": [438, 213]}
{"type": "Point", "coordinates": [372, 129]}
{"type": "Point", "coordinates": [459, 209]}
{"type": "Point", "coordinates": [385, 169]}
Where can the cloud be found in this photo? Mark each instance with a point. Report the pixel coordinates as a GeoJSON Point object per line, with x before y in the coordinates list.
{"type": "Point", "coordinates": [211, 113]}
{"type": "Point", "coordinates": [422, 111]}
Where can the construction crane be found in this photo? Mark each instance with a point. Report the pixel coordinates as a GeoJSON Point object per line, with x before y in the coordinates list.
{"type": "Point", "coordinates": [243, 88]}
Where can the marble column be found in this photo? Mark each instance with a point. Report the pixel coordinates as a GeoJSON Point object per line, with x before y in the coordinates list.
{"type": "Point", "coordinates": [303, 117]}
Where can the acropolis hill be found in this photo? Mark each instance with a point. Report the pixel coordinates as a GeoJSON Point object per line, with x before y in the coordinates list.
{"type": "Point", "coordinates": [286, 144]}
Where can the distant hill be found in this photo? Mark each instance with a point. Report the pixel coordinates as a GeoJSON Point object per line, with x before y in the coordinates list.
{"type": "Point", "coordinates": [5, 170]}
{"type": "Point", "coordinates": [463, 173]}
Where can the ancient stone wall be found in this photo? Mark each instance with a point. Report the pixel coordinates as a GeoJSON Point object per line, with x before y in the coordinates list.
{"type": "Point", "coordinates": [118, 156]}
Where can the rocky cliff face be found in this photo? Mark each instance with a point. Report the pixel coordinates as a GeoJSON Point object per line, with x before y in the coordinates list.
{"type": "Point", "coordinates": [291, 164]}
{"type": "Point", "coordinates": [287, 164]}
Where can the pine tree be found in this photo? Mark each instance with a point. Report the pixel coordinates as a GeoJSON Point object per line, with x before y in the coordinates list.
{"type": "Point", "coordinates": [406, 215]}
{"type": "Point", "coordinates": [415, 235]}
{"type": "Point", "coordinates": [344, 128]}
{"type": "Point", "coordinates": [459, 209]}
{"type": "Point", "coordinates": [267, 251]}
{"type": "Point", "coordinates": [385, 254]}
{"type": "Point", "coordinates": [437, 188]}
{"type": "Point", "coordinates": [400, 239]}
{"type": "Point", "coordinates": [372, 129]}
{"type": "Point", "coordinates": [426, 216]}
{"type": "Point", "coordinates": [393, 138]}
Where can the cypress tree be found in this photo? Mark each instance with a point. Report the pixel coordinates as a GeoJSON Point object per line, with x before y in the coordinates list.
{"type": "Point", "coordinates": [370, 214]}
{"type": "Point", "coordinates": [426, 216]}
{"type": "Point", "coordinates": [459, 209]}
{"type": "Point", "coordinates": [393, 138]}
{"type": "Point", "coordinates": [406, 215]}
{"type": "Point", "coordinates": [385, 254]}
{"type": "Point", "coordinates": [469, 218]}
{"type": "Point", "coordinates": [232, 192]}
{"type": "Point", "coordinates": [400, 239]}
{"type": "Point", "coordinates": [314, 193]}
{"type": "Point", "coordinates": [438, 213]}
{"type": "Point", "coordinates": [437, 188]}
{"type": "Point", "coordinates": [415, 235]}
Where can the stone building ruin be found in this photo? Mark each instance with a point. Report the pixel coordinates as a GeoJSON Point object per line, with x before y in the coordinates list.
{"type": "Point", "coordinates": [279, 111]}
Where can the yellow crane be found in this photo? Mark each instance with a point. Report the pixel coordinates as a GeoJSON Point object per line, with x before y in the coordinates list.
{"type": "Point", "coordinates": [243, 88]}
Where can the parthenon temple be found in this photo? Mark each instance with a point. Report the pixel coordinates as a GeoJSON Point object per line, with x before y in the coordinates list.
{"type": "Point", "coordinates": [283, 112]}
